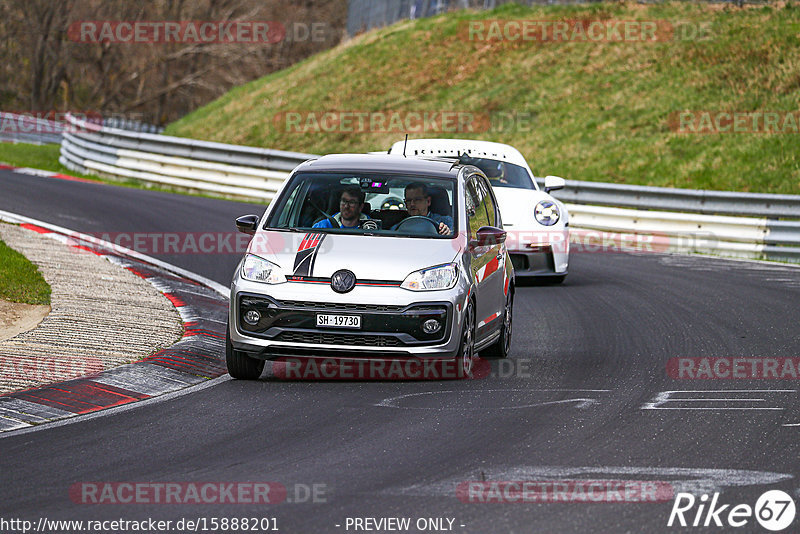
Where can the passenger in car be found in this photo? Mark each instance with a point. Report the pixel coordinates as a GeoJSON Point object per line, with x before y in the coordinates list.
{"type": "Point", "coordinates": [350, 204]}
{"type": "Point", "coordinates": [418, 203]}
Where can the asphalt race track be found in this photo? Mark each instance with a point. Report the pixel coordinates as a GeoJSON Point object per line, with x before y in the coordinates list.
{"type": "Point", "coordinates": [586, 396]}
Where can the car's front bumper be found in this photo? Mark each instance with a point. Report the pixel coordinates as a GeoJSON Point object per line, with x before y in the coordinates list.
{"type": "Point", "coordinates": [539, 253]}
{"type": "Point", "coordinates": [391, 321]}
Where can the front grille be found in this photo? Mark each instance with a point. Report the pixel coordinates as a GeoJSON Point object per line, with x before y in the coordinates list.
{"type": "Point", "coordinates": [299, 304]}
{"type": "Point", "coordinates": [338, 339]}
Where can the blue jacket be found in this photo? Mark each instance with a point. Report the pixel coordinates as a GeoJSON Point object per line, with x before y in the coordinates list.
{"type": "Point", "coordinates": [446, 219]}
{"type": "Point", "coordinates": [325, 223]}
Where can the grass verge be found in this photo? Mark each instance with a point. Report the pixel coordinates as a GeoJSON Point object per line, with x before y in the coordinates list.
{"type": "Point", "coordinates": [600, 111]}
{"type": "Point", "coordinates": [20, 280]}
{"type": "Point", "coordinates": [44, 157]}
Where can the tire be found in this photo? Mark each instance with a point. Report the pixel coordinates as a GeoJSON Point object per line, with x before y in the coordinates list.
{"type": "Point", "coordinates": [502, 347]}
{"type": "Point", "coordinates": [466, 349]}
{"type": "Point", "coordinates": [240, 365]}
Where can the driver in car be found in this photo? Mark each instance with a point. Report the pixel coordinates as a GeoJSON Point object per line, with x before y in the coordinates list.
{"type": "Point", "coordinates": [496, 172]}
{"type": "Point", "coordinates": [350, 215]}
{"type": "Point", "coordinates": [418, 203]}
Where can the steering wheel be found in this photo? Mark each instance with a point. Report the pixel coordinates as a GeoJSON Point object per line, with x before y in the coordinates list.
{"type": "Point", "coordinates": [415, 220]}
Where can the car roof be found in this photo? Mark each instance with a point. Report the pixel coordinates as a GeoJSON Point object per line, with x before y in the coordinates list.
{"type": "Point", "coordinates": [439, 167]}
{"type": "Point", "coordinates": [455, 147]}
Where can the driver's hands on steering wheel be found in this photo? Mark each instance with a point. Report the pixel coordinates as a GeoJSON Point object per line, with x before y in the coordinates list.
{"type": "Point", "coordinates": [444, 229]}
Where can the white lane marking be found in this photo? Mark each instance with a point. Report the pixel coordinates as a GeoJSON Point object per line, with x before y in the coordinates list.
{"type": "Point", "coordinates": [30, 412]}
{"type": "Point", "coordinates": [33, 172]}
{"type": "Point", "coordinates": [755, 265]}
{"type": "Point", "coordinates": [682, 479]}
{"type": "Point", "coordinates": [119, 409]}
{"type": "Point", "coordinates": [216, 286]}
{"type": "Point", "coordinates": [664, 397]}
{"type": "Point", "coordinates": [394, 402]}
{"type": "Point", "coordinates": [10, 425]}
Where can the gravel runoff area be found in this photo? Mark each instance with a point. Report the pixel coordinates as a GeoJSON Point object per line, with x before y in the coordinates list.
{"type": "Point", "coordinates": [102, 316]}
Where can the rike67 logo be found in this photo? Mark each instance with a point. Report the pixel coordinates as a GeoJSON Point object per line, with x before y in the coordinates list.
{"type": "Point", "coordinates": [774, 511]}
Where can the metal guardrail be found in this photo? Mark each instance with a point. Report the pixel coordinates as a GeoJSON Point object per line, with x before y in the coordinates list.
{"type": "Point", "coordinates": [742, 225]}
{"type": "Point", "coordinates": [737, 237]}
{"type": "Point", "coordinates": [230, 170]}
{"type": "Point", "coordinates": [131, 125]}
{"type": "Point", "coordinates": [733, 224]}
{"type": "Point", "coordinates": [16, 128]}
{"type": "Point", "coordinates": [28, 128]}
{"type": "Point", "coordinates": [683, 200]}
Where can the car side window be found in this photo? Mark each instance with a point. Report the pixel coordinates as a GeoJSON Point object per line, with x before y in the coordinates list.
{"type": "Point", "coordinates": [488, 202]}
{"type": "Point", "coordinates": [476, 209]}
{"type": "Point", "coordinates": [291, 209]}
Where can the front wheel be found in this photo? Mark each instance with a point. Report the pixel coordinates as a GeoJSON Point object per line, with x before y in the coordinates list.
{"type": "Point", "coordinates": [240, 365]}
{"type": "Point", "coordinates": [502, 347]}
{"type": "Point", "coordinates": [466, 349]}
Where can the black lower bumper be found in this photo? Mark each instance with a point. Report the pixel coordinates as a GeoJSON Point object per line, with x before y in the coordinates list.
{"type": "Point", "coordinates": [540, 262]}
{"type": "Point", "coordinates": [382, 326]}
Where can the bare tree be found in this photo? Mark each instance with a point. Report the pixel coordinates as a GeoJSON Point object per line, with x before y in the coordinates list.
{"type": "Point", "coordinates": [160, 81]}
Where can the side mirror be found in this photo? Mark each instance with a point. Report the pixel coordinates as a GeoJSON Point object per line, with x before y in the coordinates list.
{"type": "Point", "coordinates": [247, 224]}
{"type": "Point", "coordinates": [488, 236]}
{"type": "Point", "coordinates": [551, 183]}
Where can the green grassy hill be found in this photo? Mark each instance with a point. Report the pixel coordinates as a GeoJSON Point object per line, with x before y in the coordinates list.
{"type": "Point", "coordinates": [584, 110]}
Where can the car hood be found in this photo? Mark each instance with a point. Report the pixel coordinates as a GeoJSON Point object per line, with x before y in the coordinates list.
{"type": "Point", "coordinates": [516, 205]}
{"type": "Point", "coordinates": [368, 257]}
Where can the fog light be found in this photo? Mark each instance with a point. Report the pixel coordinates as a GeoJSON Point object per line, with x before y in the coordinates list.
{"type": "Point", "coordinates": [252, 317]}
{"type": "Point", "coordinates": [431, 326]}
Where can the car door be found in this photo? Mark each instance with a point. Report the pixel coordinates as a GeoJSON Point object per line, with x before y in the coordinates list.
{"type": "Point", "coordinates": [493, 283]}
{"type": "Point", "coordinates": [482, 258]}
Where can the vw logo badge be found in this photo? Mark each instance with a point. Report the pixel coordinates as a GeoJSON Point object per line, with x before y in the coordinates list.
{"type": "Point", "coordinates": [343, 281]}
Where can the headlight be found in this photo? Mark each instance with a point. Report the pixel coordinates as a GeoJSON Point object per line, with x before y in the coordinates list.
{"type": "Point", "coordinates": [546, 213]}
{"type": "Point", "coordinates": [260, 270]}
{"type": "Point", "coordinates": [432, 278]}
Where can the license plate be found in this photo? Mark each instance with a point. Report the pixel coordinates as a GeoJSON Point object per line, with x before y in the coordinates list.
{"type": "Point", "coordinates": [339, 321]}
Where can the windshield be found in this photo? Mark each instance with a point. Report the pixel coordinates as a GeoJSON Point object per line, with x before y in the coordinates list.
{"type": "Point", "coordinates": [502, 174]}
{"type": "Point", "coordinates": [366, 203]}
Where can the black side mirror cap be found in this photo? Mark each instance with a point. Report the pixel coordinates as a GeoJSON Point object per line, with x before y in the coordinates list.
{"type": "Point", "coordinates": [247, 224]}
